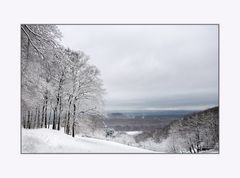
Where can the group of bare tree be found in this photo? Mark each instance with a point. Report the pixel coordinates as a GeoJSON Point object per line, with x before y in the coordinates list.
{"type": "Point", "coordinates": [58, 85]}
{"type": "Point", "coordinates": [192, 133]}
{"type": "Point", "coordinates": [195, 133]}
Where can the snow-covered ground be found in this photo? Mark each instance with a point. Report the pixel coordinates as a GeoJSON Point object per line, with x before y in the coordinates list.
{"type": "Point", "coordinates": [134, 133]}
{"type": "Point", "coordinates": [210, 151]}
{"type": "Point", "coordinates": [52, 141]}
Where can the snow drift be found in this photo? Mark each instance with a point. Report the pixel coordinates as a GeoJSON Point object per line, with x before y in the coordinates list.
{"type": "Point", "coordinates": [52, 141]}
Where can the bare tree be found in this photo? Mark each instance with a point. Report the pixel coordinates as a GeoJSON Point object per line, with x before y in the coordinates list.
{"type": "Point", "coordinates": [57, 83]}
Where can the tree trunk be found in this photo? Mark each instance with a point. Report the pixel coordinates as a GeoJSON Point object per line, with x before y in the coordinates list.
{"type": "Point", "coordinates": [35, 119]}
{"type": "Point", "coordinates": [46, 120]}
{"type": "Point", "coordinates": [65, 122]}
{"type": "Point", "coordinates": [38, 119]}
{"type": "Point", "coordinates": [42, 120]}
{"type": "Point", "coordinates": [49, 119]}
{"type": "Point", "coordinates": [74, 118]}
{"type": "Point", "coordinates": [54, 119]}
{"type": "Point", "coordinates": [31, 119]}
{"type": "Point", "coordinates": [68, 122]}
{"type": "Point", "coordinates": [59, 100]}
{"type": "Point", "coordinates": [24, 120]}
{"type": "Point", "coordinates": [45, 111]}
{"type": "Point", "coordinates": [68, 118]}
{"type": "Point", "coordinates": [73, 130]}
{"type": "Point", "coordinates": [28, 121]}
{"type": "Point", "coordinates": [59, 115]}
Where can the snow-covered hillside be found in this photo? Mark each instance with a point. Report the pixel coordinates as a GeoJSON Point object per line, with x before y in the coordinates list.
{"type": "Point", "coordinates": [52, 141]}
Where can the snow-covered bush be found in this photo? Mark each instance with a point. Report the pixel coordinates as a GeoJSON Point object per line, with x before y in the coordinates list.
{"type": "Point", "coordinates": [109, 132]}
{"type": "Point", "coordinates": [122, 137]}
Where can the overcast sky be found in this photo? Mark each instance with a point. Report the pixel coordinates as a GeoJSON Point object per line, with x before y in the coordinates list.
{"type": "Point", "coordinates": [151, 67]}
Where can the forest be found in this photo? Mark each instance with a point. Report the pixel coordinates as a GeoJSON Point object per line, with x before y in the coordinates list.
{"type": "Point", "coordinates": [59, 86]}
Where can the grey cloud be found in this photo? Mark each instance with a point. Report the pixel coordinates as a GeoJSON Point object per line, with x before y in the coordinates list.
{"type": "Point", "coordinates": [152, 66]}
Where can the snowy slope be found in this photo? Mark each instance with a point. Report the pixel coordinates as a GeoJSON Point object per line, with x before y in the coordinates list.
{"type": "Point", "coordinates": [52, 141]}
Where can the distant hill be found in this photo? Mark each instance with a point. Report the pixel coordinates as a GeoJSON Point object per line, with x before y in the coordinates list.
{"type": "Point", "coordinates": [120, 124]}
{"type": "Point", "coordinates": [149, 114]}
{"type": "Point", "coordinates": [193, 133]}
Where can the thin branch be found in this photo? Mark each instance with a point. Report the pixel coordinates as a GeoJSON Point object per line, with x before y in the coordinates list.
{"type": "Point", "coordinates": [38, 51]}
{"type": "Point", "coordinates": [91, 109]}
{"type": "Point", "coordinates": [51, 41]}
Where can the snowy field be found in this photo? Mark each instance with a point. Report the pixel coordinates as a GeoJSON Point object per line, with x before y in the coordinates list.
{"type": "Point", "coordinates": [52, 141]}
{"type": "Point", "coordinates": [134, 133]}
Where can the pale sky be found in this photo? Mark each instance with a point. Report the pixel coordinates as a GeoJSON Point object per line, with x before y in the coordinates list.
{"type": "Point", "coordinates": [151, 67]}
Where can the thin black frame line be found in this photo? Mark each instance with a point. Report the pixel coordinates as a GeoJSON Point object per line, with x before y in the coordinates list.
{"type": "Point", "coordinates": [157, 153]}
{"type": "Point", "coordinates": [219, 89]}
{"type": "Point", "coordinates": [130, 24]}
{"type": "Point", "coordinates": [122, 153]}
{"type": "Point", "coordinates": [20, 32]}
